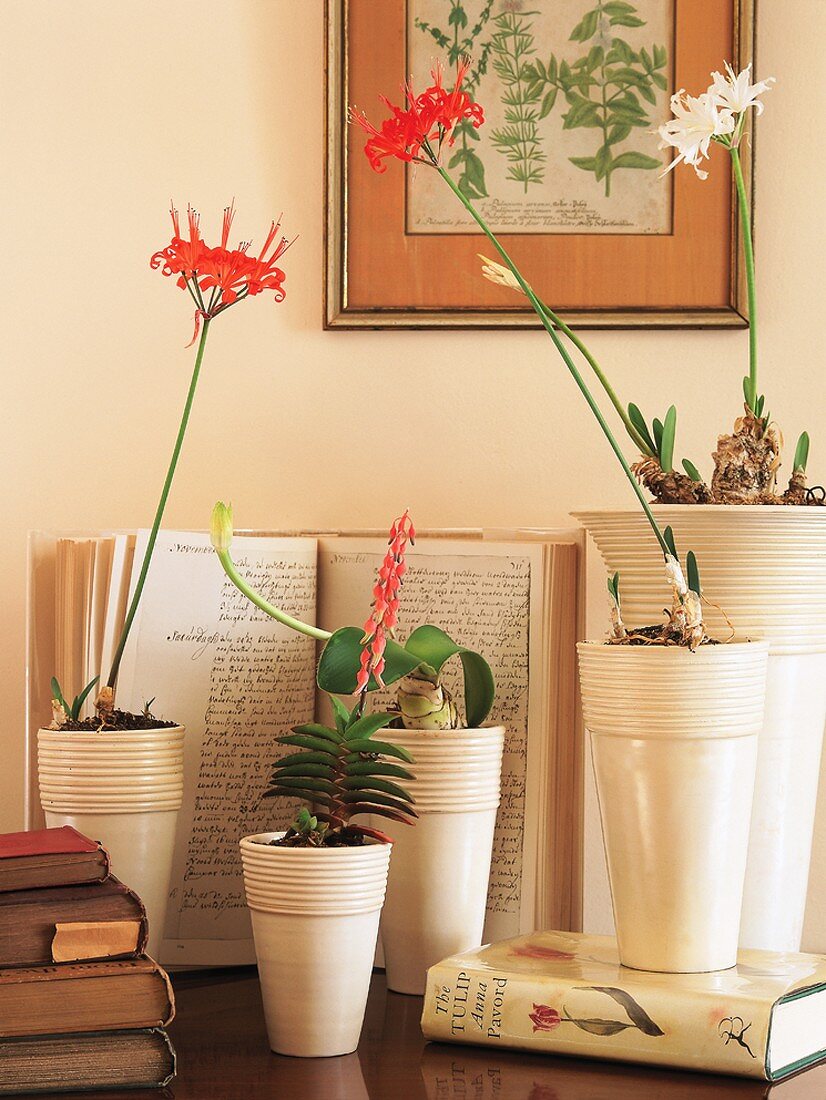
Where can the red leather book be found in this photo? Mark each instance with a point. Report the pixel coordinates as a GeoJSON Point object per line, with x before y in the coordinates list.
{"type": "Point", "coordinates": [50, 857]}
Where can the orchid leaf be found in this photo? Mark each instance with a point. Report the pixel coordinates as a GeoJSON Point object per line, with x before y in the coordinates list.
{"type": "Point", "coordinates": [369, 724]}
{"type": "Point", "coordinates": [801, 454]}
{"type": "Point", "coordinates": [666, 442]}
{"type": "Point", "coordinates": [638, 420]}
{"type": "Point", "coordinates": [692, 471]}
{"type": "Point", "coordinates": [692, 572]}
{"type": "Point", "coordinates": [668, 535]}
{"type": "Point", "coordinates": [342, 714]}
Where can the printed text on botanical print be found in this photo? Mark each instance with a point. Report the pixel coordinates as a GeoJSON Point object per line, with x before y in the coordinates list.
{"type": "Point", "coordinates": [572, 90]}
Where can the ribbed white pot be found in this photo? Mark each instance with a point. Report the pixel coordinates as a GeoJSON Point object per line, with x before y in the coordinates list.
{"type": "Point", "coordinates": [438, 885]}
{"type": "Point", "coordinates": [674, 742]}
{"type": "Point", "coordinates": [315, 920]}
{"type": "Point", "coordinates": [765, 569]}
{"type": "Point", "coordinates": [125, 790]}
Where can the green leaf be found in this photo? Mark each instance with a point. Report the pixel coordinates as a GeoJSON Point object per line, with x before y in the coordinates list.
{"type": "Point", "coordinates": [404, 815]}
{"type": "Point", "coordinates": [315, 744]}
{"type": "Point", "coordinates": [384, 748]}
{"type": "Point", "coordinates": [376, 767]}
{"type": "Point", "coordinates": [596, 55]}
{"type": "Point", "coordinates": [374, 783]}
{"type": "Point", "coordinates": [290, 782]}
{"type": "Point", "coordinates": [636, 1013]}
{"type": "Point", "coordinates": [316, 729]}
{"type": "Point", "coordinates": [548, 102]}
{"type": "Point", "coordinates": [618, 7]}
{"type": "Point", "coordinates": [636, 160]}
{"type": "Point", "coordinates": [433, 647]}
{"type": "Point", "coordinates": [692, 572]}
{"type": "Point", "coordinates": [801, 454]}
{"type": "Point", "coordinates": [657, 426]}
{"type": "Point", "coordinates": [294, 792]}
{"type": "Point", "coordinates": [58, 695]}
{"type": "Point", "coordinates": [668, 535]}
{"type": "Point", "coordinates": [667, 440]}
{"type": "Point", "coordinates": [586, 28]}
{"type": "Point", "coordinates": [588, 164]}
{"type": "Point", "coordinates": [646, 93]}
{"type": "Point", "coordinates": [77, 705]}
{"type": "Point", "coordinates": [318, 771]}
{"type": "Point", "coordinates": [457, 158]}
{"type": "Point", "coordinates": [582, 114]}
{"type": "Point", "coordinates": [369, 724]}
{"type": "Point", "coordinates": [638, 420]}
{"type": "Point", "coordinates": [603, 161]}
{"type": "Point", "coordinates": [374, 797]}
{"type": "Point", "coordinates": [659, 80]}
{"type": "Point", "coordinates": [627, 21]}
{"type": "Point", "coordinates": [692, 471]}
{"type": "Point", "coordinates": [600, 1027]}
{"type": "Point", "coordinates": [660, 56]}
{"type": "Point", "coordinates": [340, 660]}
{"type": "Point", "coordinates": [475, 172]}
{"type": "Point", "coordinates": [306, 758]}
{"type": "Point", "coordinates": [618, 133]}
{"type": "Point", "coordinates": [749, 395]}
{"type": "Point", "coordinates": [341, 713]}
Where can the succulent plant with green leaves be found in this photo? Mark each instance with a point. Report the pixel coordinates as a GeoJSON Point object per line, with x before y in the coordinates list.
{"type": "Point", "coordinates": [343, 771]}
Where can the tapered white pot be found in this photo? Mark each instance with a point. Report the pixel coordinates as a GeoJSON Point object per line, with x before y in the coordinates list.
{"type": "Point", "coordinates": [125, 790]}
{"type": "Point", "coordinates": [674, 743]}
{"type": "Point", "coordinates": [315, 920]}
{"type": "Point", "coordinates": [438, 885]}
{"type": "Point", "coordinates": [764, 567]}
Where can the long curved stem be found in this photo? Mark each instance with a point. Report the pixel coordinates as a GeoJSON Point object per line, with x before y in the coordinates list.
{"type": "Point", "coordinates": [748, 254]}
{"type": "Point", "coordinates": [548, 325]}
{"type": "Point", "coordinates": [259, 601]}
{"type": "Point", "coordinates": [159, 511]}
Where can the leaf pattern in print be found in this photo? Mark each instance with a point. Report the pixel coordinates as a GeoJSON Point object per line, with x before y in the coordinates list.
{"type": "Point", "coordinates": [636, 1013]}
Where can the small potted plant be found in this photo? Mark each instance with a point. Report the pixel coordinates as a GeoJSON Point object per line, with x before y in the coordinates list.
{"type": "Point", "coordinates": [115, 775]}
{"type": "Point", "coordinates": [315, 892]}
{"type": "Point", "coordinates": [437, 891]}
{"type": "Point", "coordinates": [673, 716]}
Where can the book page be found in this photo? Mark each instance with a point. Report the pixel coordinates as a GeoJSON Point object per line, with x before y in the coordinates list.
{"type": "Point", "coordinates": [486, 596]}
{"type": "Point", "coordinates": [236, 679]}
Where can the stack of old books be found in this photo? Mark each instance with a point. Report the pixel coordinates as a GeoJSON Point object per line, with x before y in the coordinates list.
{"type": "Point", "coordinates": [81, 1005]}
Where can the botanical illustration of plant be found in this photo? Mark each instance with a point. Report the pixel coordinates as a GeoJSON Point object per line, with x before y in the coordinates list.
{"type": "Point", "coordinates": [512, 46]}
{"type": "Point", "coordinates": [548, 1018]}
{"type": "Point", "coordinates": [603, 88]}
{"type": "Point", "coordinates": [458, 42]}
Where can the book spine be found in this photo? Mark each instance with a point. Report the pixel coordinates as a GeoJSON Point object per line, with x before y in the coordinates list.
{"type": "Point", "coordinates": [545, 1014]}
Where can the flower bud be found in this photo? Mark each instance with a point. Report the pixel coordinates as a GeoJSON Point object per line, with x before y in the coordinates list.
{"type": "Point", "coordinates": [221, 528]}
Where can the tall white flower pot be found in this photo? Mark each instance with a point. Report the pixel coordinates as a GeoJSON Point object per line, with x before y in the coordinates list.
{"type": "Point", "coordinates": [438, 885]}
{"type": "Point", "coordinates": [123, 789]}
{"type": "Point", "coordinates": [315, 920]}
{"type": "Point", "coordinates": [674, 742]}
{"type": "Point", "coordinates": [764, 567]}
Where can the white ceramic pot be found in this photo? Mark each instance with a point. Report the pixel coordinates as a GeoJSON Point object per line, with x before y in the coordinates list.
{"type": "Point", "coordinates": [315, 919]}
{"type": "Point", "coordinates": [674, 742]}
{"type": "Point", "coordinates": [125, 790]}
{"type": "Point", "coordinates": [765, 568]}
{"type": "Point", "coordinates": [438, 885]}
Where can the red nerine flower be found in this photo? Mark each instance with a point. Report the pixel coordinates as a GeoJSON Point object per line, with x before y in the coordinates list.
{"type": "Point", "coordinates": [544, 1018]}
{"type": "Point", "coordinates": [228, 274]}
{"type": "Point", "coordinates": [418, 132]}
{"type": "Point", "coordinates": [385, 612]}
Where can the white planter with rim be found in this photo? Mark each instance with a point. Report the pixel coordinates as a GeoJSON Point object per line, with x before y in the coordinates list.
{"type": "Point", "coordinates": [764, 566]}
{"type": "Point", "coordinates": [315, 920]}
{"type": "Point", "coordinates": [438, 885]}
{"type": "Point", "coordinates": [674, 742]}
{"type": "Point", "coordinates": [123, 789]}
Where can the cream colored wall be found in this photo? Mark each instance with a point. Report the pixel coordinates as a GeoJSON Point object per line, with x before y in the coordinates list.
{"type": "Point", "coordinates": [110, 109]}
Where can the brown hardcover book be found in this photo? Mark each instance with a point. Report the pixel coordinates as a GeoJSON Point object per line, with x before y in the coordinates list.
{"type": "Point", "coordinates": [96, 1060]}
{"type": "Point", "coordinates": [50, 857]}
{"type": "Point", "coordinates": [102, 996]}
{"type": "Point", "coordinates": [100, 920]}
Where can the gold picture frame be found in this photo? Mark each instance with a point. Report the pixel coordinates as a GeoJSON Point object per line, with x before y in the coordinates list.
{"type": "Point", "coordinates": [351, 306]}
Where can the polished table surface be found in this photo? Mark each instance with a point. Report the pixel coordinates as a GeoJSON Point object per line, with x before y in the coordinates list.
{"type": "Point", "coordinates": [223, 1054]}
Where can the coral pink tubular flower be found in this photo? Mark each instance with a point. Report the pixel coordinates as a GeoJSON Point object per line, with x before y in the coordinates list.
{"type": "Point", "coordinates": [384, 616]}
{"type": "Point", "coordinates": [418, 132]}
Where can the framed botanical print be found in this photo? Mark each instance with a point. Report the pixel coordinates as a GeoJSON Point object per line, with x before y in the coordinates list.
{"type": "Point", "coordinates": [566, 168]}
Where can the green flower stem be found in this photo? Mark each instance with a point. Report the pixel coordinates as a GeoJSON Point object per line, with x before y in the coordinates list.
{"type": "Point", "coordinates": [748, 253]}
{"type": "Point", "coordinates": [548, 325]}
{"type": "Point", "coordinates": [156, 523]}
{"type": "Point", "coordinates": [259, 601]}
{"type": "Point", "coordinates": [606, 385]}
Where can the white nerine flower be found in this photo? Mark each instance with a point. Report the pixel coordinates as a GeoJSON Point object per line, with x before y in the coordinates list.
{"type": "Point", "coordinates": [737, 93]}
{"type": "Point", "coordinates": [697, 119]}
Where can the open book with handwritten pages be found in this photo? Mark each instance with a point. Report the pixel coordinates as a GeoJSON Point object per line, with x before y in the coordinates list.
{"type": "Point", "coordinates": [202, 655]}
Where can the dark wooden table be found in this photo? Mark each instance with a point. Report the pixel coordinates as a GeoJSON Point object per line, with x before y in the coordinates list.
{"type": "Point", "coordinates": [223, 1054]}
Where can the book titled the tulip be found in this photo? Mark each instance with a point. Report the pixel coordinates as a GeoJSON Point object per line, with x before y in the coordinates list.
{"type": "Point", "coordinates": [565, 993]}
